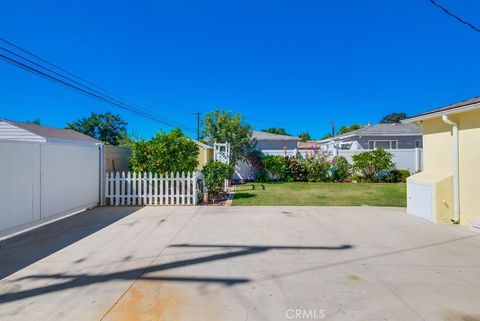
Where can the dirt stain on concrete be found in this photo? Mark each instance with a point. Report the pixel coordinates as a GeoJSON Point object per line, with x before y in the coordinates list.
{"type": "Point", "coordinates": [148, 301]}
{"type": "Point", "coordinates": [452, 315]}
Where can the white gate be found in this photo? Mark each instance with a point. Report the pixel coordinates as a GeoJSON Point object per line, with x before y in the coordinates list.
{"type": "Point", "coordinates": [151, 189]}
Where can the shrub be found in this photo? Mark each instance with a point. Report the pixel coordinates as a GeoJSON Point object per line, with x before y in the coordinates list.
{"type": "Point", "coordinates": [393, 176]}
{"type": "Point", "coordinates": [317, 168]}
{"type": "Point", "coordinates": [371, 163]}
{"type": "Point", "coordinates": [263, 176]}
{"type": "Point", "coordinates": [276, 165]}
{"type": "Point", "coordinates": [295, 171]}
{"type": "Point", "coordinates": [340, 170]}
{"type": "Point", "coordinates": [404, 174]}
{"type": "Point", "coordinates": [165, 152]}
{"type": "Point", "coordinates": [254, 159]}
{"type": "Point", "coordinates": [215, 174]}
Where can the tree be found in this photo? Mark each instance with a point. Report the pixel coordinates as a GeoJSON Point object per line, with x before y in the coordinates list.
{"type": "Point", "coordinates": [35, 121]}
{"type": "Point", "coordinates": [326, 136]}
{"type": "Point", "coordinates": [108, 127]}
{"type": "Point", "coordinates": [222, 126]}
{"type": "Point", "coordinates": [343, 130]}
{"type": "Point", "coordinates": [164, 153]}
{"type": "Point", "coordinates": [393, 118]}
{"type": "Point", "coordinates": [347, 129]}
{"type": "Point", "coordinates": [276, 130]}
{"type": "Point", "coordinates": [304, 136]}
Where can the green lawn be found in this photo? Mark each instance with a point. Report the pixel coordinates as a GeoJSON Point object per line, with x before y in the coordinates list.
{"type": "Point", "coordinates": [327, 194]}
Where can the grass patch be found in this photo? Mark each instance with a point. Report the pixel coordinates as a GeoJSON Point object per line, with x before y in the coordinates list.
{"type": "Point", "coordinates": [326, 194]}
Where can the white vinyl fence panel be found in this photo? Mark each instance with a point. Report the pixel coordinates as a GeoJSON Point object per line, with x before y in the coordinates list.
{"type": "Point", "coordinates": [151, 189]}
{"type": "Point", "coordinates": [44, 181]}
{"type": "Point", "coordinates": [409, 159]}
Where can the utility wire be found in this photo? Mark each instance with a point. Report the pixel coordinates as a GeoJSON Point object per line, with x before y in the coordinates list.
{"type": "Point", "coordinates": [454, 16]}
{"type": "Point", "coordinates": [86, 92]}
{"type": "Point", "coordinates": [72, 84]}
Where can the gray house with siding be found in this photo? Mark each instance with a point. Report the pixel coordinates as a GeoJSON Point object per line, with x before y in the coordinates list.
{"type": "Point", "coordinates": [386, 136]}
{"type": "Point", "coordinates": [273, 142]}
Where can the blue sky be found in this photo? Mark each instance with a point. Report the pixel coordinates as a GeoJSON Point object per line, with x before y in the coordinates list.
{"type": "Point", "coordinates": [292, 64]}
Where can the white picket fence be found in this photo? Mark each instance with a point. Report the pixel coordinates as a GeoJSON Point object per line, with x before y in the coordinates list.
{"type": "Point", "coordinates": [151, 189]}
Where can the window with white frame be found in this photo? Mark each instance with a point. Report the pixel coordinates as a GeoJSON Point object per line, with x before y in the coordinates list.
{"type": "Point", "coordinates": [383, 144]}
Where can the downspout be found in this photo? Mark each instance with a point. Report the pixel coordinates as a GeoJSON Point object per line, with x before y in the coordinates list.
{"type": "Point", "coordinates": [456, 192]}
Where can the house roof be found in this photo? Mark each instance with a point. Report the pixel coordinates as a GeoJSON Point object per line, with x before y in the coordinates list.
{"type": "Point", "coordinates": [54, 133]}
{"type": "Point", "coordinates": [464, 105]}
{"type": "Point", "coordinates": [396, 129]}
{"type": "Point", "coordinates": [259, 135]}
{"type": "Point", "coordinates": [202, 145]}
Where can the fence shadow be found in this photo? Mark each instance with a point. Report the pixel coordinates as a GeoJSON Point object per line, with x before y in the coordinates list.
{"type": "Point", "coordinates": [27, 248]}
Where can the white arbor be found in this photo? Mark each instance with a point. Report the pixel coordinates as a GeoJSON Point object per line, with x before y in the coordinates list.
{"type": "Point", "coordinates": [221, 152]}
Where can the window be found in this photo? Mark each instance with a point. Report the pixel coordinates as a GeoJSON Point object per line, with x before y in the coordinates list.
{"type": "Point", "coordinates": [383, 144]}
{"type": "Point", "coordinates": [345, 146]}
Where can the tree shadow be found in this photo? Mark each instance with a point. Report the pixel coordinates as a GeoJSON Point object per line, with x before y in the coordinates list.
{"type": "Point", "coordinates": [27, 248]}
{"type": "Point", "coordinates": [243, 195]}
{"type": "Point", "coordinates": [79, 280]}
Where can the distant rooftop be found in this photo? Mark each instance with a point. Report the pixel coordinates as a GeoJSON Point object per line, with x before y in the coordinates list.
{"type": "Point", "coordinates": [390, 129]}
{"type": "Point", "coordinates": [53, 133]}
{"type": "Point", "coordinates": [396, 129]}
{"type": "Point", "coordinates": [259, 135]}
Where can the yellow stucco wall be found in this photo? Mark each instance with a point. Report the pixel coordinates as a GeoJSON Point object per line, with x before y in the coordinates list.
{"type": "Point", "coordinates": [205, 155]}
{"type": "Point", "coordinates": [438, 157]}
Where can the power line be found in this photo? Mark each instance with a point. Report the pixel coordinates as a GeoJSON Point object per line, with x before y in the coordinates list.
{"type": "Point", "coordinates": [75, 85]}
{"type": "Point", "coordinates": [85, 92]}
{"type": "Point", "coordinates": [455, 16]}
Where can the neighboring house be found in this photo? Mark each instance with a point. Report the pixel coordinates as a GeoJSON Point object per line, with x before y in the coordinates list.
{"type": "Point", "coordinates": [386, 136]}
{"type": "Point", "coordinates": [275, 144]}
{"type": "Point", "coordinates": [205, 154]}
{"type": "Point", "coordinates": [448, 188]}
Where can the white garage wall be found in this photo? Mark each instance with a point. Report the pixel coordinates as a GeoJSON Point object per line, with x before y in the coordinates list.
{"type": "Point", "coordinates": [43, 181]}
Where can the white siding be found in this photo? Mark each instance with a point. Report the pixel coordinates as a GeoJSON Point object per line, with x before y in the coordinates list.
{"type": "Point", "coordinates": [11, 132]}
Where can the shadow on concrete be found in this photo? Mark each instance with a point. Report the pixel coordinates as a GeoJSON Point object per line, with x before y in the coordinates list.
{"type": "Point", "coordinates": [27, 248]}
{"type": "Point", "coordinates": [78, 280]}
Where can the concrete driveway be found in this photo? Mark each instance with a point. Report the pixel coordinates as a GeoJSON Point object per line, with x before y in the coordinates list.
{"type": "Point", "coordinates": [242, 263]}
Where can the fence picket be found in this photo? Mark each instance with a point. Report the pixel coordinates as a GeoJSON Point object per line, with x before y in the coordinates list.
{"type": "Point", "coordinates": [117, 188]}
{"type": "Point", "coordinates": [155, 189]}
{"type": "Point", "coordinates": [171, 189]}
{"type": "Point", "coordinates": [188, 188]}
{"type": "Point", "coordinates": [150, 187]}
{"type": "Point", "coordinates": [122, 189]}
{"type": "Point", "coordinates": [129, 188]}
{"type": "Point", "coordinates": [161, 189]}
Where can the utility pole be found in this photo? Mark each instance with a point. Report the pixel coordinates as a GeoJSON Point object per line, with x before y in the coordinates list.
{"type": "Point", "coordinates": [333, 128]}
{"type": "Point", "coordinates": [198, 124]}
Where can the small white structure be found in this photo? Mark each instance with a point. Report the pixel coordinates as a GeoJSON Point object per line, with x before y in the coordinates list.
{"type": "Point", "coordinates": [221, 152]}
{"type": "Point", "coordinates": [45, 173]}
